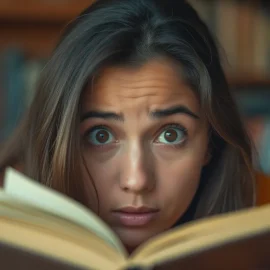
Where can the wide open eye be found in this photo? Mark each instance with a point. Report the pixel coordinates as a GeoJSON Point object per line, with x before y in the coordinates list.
{"type": "Point", "coordinates": [100, 136]}
{"type": "Point", "coordinates": [173, 134]}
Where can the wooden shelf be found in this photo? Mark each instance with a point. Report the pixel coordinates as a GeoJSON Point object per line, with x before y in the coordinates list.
{"type": "Point", "coordinates": [36, 25]}
{"type": "Point", "coordinates": [37, 41]}
{"type": "Point", "coordinates": [50, 11]}
{"type": "Point", "coordinates": [249, 80]}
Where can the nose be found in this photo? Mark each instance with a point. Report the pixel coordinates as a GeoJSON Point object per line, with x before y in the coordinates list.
{"type": "Point", "coordinates": [137, 174]}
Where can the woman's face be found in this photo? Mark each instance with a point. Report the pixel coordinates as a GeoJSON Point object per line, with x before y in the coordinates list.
{"type": "Point", "coordinates": [144, 144]}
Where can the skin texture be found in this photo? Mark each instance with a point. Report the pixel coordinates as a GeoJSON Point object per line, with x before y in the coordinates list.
{"type": "Point", "coordinates": [137, 159]}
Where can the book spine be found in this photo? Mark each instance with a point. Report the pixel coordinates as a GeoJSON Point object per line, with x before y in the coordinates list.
{"type": "Point", "coordinates": [3, 98]}
{"type": "Point", "coordinates": [245, 39]}
{"type": "Point", "coordinates": [227, 34]}
{"type": "Point", "coordinates": [18, 80]}
{"type": "Point", "coordinates": [241, 29]}
{"type": "Point", "coordinates": [262, 43]}
{"type": "Point", "coordinates": [15, 88]}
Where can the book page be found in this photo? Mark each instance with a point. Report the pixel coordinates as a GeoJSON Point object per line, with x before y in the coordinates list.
{"type": "Point", "coordinates": [248, 254]}
{"type": "Point", "coordinates": [204, 234]}
{"type": "Point", "coordinates": [38, 241]}
{"type": "Point", "coordinates": [25, 189]}
{"type": "Point", "coordinates": [14, 212]}
{"type": "Point", "coordinates": [13, 259]}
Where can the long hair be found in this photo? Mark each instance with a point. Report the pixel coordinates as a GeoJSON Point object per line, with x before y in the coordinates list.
{"type": "Point", "coordinates": [125, 32]}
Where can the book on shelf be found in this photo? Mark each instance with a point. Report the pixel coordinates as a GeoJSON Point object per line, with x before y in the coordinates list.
{"type": "Point", "coordinates": [43, 229]}
{"type": "Point", "coordinates": [241, 29]}
{"type": "Point", "coordinates": [12, 89]}
{"type": "Point", "coordinates": [18, 79]}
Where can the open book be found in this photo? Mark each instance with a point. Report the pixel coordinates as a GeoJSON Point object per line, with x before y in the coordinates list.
{"type": "Point", "coordinates": [42, 229]}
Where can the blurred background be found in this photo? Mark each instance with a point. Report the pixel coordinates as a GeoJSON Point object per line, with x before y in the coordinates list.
{"type": "Point", "coordinates": [29, 30]}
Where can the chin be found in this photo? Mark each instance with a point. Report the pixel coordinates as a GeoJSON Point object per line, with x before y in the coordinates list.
{"type": "Point", "coordinates": [134, 237]}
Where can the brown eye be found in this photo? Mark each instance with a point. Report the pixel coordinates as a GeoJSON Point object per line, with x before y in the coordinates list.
{"type": "Point", "coordinates": [102, 136]}
{"type": "Point", "coordinates": [99, 136]}
{"type": "Point", "coordinates": [172, 135]}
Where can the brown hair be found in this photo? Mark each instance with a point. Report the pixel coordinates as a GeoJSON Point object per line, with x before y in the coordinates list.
{"type": "Point", "coordinates": [47, 141]}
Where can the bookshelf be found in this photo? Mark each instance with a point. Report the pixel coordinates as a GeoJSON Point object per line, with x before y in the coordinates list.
{"type": "Point", "coordinates": [35, 25]}
{"type": "Point", "coordinates": [241, 28]}
{"type": "Point", "coordinates": [46, 11]}
{"type": "Point", "coordinates": [29, 31]}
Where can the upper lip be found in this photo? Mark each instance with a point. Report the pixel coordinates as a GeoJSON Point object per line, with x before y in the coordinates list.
{"type": "Point", "coordinates": [136, 210]}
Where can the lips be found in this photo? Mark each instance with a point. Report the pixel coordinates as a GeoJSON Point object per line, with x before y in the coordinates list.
{"type": "Point", "coordinates": [135, 216]}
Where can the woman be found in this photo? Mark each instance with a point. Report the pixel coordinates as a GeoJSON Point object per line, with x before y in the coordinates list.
{"type": "Point", "coordinates": [134, 119]}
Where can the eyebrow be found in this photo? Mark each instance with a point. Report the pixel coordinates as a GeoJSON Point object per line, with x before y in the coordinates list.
{"type": "Point", "coordinates": [179, 109]}
{"type": "Point", "coordinates": [157, 114]}
{"type": "Point", "coordinates": [102, 115]}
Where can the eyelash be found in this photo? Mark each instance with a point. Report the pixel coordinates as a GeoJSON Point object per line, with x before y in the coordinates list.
{"type": "Point", "coordinates": [177, 126]}
{"type": "Point", "coordinates": [174, 125]}
{"type": "Point", "coordinates": [92, 129]}
{"type": "Point", "coordinates": [162, 129]}
{"type": "Point", "coordinates": [95, 128]}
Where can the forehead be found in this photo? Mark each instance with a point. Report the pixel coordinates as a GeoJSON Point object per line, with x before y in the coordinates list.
{"type": "Point", "coordinates": [157, 82]}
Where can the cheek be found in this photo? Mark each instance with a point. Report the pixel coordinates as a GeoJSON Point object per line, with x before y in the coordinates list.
{"type": "Point", "coordinates": [178, 182]}
{"type": "Point", "coordinates": [98, 179]}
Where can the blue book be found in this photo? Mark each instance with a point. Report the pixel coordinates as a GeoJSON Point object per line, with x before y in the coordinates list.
{"type": "Point", "coordinates": [12, 91]}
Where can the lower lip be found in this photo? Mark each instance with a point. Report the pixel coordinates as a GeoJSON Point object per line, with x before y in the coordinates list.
{"type": "Point", "coordinates": [135, 219]}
